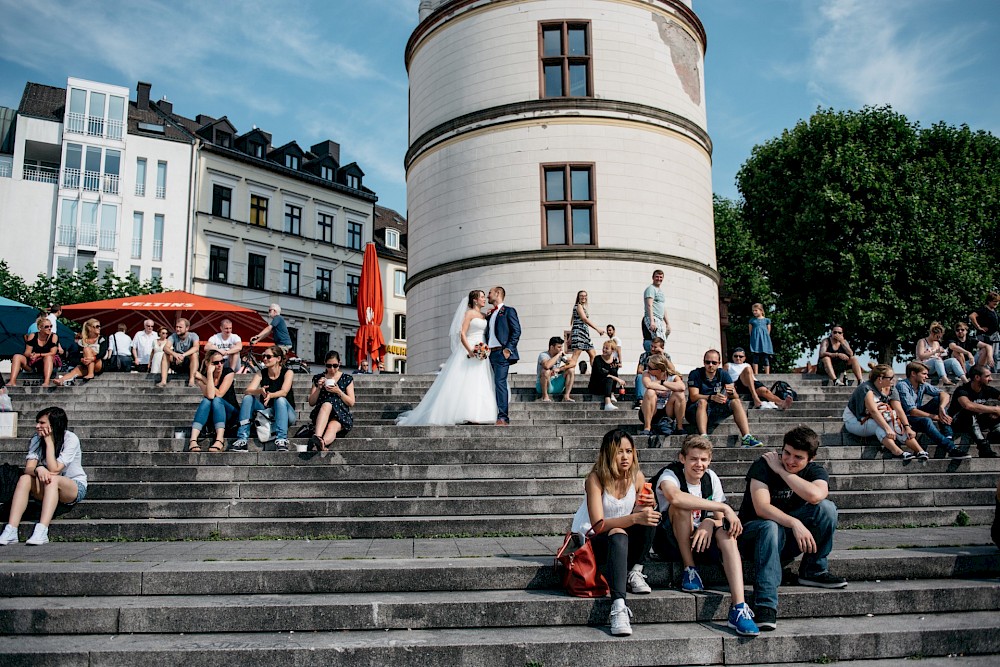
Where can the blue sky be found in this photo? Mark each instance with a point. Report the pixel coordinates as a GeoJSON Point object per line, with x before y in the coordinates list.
{"type": "Point", "coordinates": [333, 69]}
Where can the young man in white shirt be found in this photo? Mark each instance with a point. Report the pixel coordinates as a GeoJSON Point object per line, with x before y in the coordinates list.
{"type": "Point", "coordinates": [696, 528]}
{"type": "Point", "coordinates": [228, 343]}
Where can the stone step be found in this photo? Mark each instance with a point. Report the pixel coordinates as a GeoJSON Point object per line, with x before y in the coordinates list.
{"type": "Point", "coordinates": [809, 639]}
{"type": "Point", "coordinates": [454, 609]}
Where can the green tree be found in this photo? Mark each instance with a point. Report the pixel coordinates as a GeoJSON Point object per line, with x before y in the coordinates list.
{"type": "Point", "coordinates": [868, 220]}
{"type": "Point", "coordinates": [745, 282]}
{"type": "Point", "coordinates": [69, 287]}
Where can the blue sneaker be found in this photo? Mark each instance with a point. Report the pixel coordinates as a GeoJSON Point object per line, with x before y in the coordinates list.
{"type": "Point", "coordinates": [691, 580]}
{"type": "Point", "coordinates": [741, 620]}
{"type": "Point", "coordinates": [750, 441]}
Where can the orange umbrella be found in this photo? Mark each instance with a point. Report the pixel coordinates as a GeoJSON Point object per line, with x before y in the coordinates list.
{"type": "Point", "coordinates": [204, 314]}
{"type": "Point", "coordinates": [369, 340]}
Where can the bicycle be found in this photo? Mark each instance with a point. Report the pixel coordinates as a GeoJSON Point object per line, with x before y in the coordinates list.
{"type": "Point", "coordinates": [254, 363]}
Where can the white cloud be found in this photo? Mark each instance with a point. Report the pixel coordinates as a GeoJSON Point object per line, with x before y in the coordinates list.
{"type": "Point", "coordinates": [884, 53]}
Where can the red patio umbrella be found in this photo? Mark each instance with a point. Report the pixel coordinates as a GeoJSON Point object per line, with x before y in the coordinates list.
{"type": "Point", "coordinates": [369, 340]}
{"type": "Point", "coordinates": [204, 314]}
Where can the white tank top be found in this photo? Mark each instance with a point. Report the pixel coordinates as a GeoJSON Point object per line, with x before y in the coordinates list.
{"type": "Point", "coordinates": [613, 509]}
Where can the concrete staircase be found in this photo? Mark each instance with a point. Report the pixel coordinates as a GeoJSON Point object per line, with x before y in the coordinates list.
{"type": "Point", "coordinates": [433, 545]}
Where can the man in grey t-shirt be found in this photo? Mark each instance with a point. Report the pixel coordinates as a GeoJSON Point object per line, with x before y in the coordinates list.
{"type": "Point", "coordinates": [180, 354]}
{"type": "Point", "coordinates": [654, 313]}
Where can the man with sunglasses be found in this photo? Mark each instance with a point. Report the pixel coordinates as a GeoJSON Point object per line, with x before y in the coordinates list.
{"type": "Point", "coordinates": [836, 357]}
{"type": "Point", "coordinates": [968, 349]}
{"type": "Point", "coordinates": [712, 397]}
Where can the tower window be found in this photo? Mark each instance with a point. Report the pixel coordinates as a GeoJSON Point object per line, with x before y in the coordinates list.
{"type": "Point", "coordinates": [569, 205]}
{"type": "Point", "coordinates": [565, 60]}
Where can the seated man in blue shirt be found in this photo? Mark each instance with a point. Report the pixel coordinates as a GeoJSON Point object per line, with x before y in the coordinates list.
{"type": "Point", "coordinates": [712, 397]}
{"type": "Point", "coordinates": [931, 417]}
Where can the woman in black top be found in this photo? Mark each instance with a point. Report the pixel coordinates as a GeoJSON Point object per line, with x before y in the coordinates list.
{"type": "Point", "coordinates": [986, 323]}
{"type": "Point", "coordinates": [41, 349]}
{"type": "Point", "coordinates": [218, 400]}
{"type": "Point", "coordinates": [333, 395]}
{"type": "Point", "coordinates": [604, 380]}
{"type": "Point", "coordinates": [271, 388]}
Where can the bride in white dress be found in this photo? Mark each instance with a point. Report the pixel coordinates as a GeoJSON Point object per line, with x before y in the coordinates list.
{"type": "Point", "coordinates": [463, 390]}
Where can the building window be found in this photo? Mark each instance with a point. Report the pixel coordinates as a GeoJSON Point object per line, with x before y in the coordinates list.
{"type": "Point", "coordinates": [222, 201]}
{"type": "Point", "coordinates": [161, 180]}
{"type": "Point", "coordinates": [135, 271]}
{"type": "Point", "coordinates": [258, 210]}
{"type": "Point", "coordinates": [399, 326]}
{"type": "Point", "coordinates": [76, 118]}
{"type": "Point", "coordinates": [399, 283]}
{"type": "Point", "coordinates": [256, 268]}
{"type": "Point", "coordinates": [218, 264]}
{"type": "Point", "coordinates": [353, 285]}
{"type": "Point", "coordinates": [325, 223]}
{"type": "Point", "coordinates": [326, 173]}
{"type": "Point", "coordinates": [293, 335]}
{"type": "Point", "coordinates": [157, 238]}
{"type": "Point", "coordinates": [350, 357]}
{"type": "Point", "coordinates": [324, 284]}
{"type": "Point", "coordinates": [354, 181]}
{"type": "Point", "coordinates": [92, 169]}
{"type": "Point", "coordinates": [355, 230]}
{"type": "Point", "coordinates": [140, 177]}
{"type": "Point", "coordinates": [291, 271]}
{"type": "Point", "coordinates": [321, 345]}
{"type": "Point", "coordinates": [256, 149]}
{"type": "Point", "coordinates": [565, 59]}
{"type": "Point", "coordinates": [392, 239]}
{"type": "Point", "coordinates": [137, 235]}
{"type": "Point", "coordinates": [292, 161]}
{"type": "Point", "coordinates": [112, 168]}
{"type": "Point", "coordinates": [293, 219]}
{"type": "Point", "coordinates": [108, 235]}
{"type": "Point", "coordinates": [155, 273]}
{"type": "Point", "coordinates": [568, 205]}
{"type": "Point", "coordinates": [223, 139]}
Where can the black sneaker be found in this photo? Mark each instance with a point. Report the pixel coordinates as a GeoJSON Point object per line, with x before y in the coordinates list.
{"type": "Point", "coordinates": [986, 452]}
{"type": "Point", "coordinates": [822, 580]}
{"type": "Point", "coordinates": [959, 453]}
{"type": "Point", "coordinates": [239, 446]}
{"type": "Point", "coordinates": [765, 618]}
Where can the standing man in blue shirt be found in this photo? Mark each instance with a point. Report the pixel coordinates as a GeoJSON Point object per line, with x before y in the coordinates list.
{"type": "Point", "coordinates": [278, 327]}
{"type": "Point", "coordinates": [931, 417]}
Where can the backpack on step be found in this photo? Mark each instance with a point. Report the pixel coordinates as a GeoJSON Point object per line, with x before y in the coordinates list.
{"type": "Point", "coordinates": [782, 389]}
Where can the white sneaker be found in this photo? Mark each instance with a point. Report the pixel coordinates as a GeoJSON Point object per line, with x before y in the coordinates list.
{"type": "Point", "coordinates": [613, 399]}
{"type": "Point", "coordinates": [637, 583]}
{"type": "Point", "coordinates": [610, 406]}
{"type": "Point", "coordinates": [620, 625]}
{"type": "Point", "coordinates": [768, 405]}
{"type": "Point", "coordinates": [9, 535]}
{"type": "Point", "coordinates": [40, 536]}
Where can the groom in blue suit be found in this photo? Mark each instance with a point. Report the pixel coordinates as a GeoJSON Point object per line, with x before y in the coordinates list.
{"type": "Point", "coordinates": [504, 330]}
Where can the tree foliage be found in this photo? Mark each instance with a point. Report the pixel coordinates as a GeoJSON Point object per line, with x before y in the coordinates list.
{"type": "Point", "coordinates": [69, 287]}
{"type": "Point", "coordinates": [745, 282]}
{"type": "Point", "coordinates": [868, 220]}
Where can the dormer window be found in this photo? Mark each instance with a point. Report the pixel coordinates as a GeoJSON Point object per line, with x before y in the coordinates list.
{"type": "Point", "coordinates": [326, 173]}
{"type": "Point", "coordinates": [291, 161]}
{"type": "Point", "coordinates": [353, 182]}
{"type": "Point", "coordinates": [392, 239]}
{"type": "Point", "coordinates": [223, 139]}
{"type": "Point", "coordinates": [255, 149]}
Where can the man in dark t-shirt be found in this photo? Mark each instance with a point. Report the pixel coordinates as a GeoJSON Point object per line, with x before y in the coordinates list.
{"type": "Point", "coordinates": [786, 512]}
{"type": "Point", "coordinates": [975, 409]}
{"type": "Point", "coordinates": [712, 397]}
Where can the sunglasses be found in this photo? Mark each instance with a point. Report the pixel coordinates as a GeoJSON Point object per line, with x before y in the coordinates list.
{"type": "Point", "coordinates": [47, 326]}
{"type": "Point", "coordinates": [333, 365]}
{"type": "Point", "coordinates": [711, 363]}
{"type": "Point", "coordinates": [217, 363]}
{"type": "Point", "coordinates": [267, 356]}
{"type": "Point", "coordinates": [739, 356]}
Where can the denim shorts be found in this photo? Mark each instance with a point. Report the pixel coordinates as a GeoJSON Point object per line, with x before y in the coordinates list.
{"type": "Point", "coordinates": [81, 492]}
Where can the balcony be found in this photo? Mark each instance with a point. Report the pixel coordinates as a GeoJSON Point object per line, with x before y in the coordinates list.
{"type": "Point", "coordinates": [161, 192]}
{"type": "Point", "coordinates": [140, 189]}
{"type": "Point", "coordinates": [92, 181]}
{"type": "Point", "coordinates": [88, 236]}
{"type": "Point", "coordinates": [67, 236]}
{"type": "Point", "coordinates": [41, 174]}
{"type": "Point", "coordinates": [71, 178]}
{"type": "Point", "coordinates": [115, 129]}
{"type": "Point", "coordinates": [75, 123]}
{"type": "Point", "coordinates": [111, 184]}
{"type": "Point", "coordinates": [6, 169]}
{"type": "Point", "coordinates": [107, 239]}
{"type": "Point", "coordinates": [95, 126]}
{"type": "Point", "coordinates": [137, 248]}
{"type": "Point", "coordinates": [157, 251]}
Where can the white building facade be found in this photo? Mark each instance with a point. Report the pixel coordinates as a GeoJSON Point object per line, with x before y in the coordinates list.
{"type": "Point", "coordinates": [390, 243]}
{"type": "Point", "coordinates": [560, 146]}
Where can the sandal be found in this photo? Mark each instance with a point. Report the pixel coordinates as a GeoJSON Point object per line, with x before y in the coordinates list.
{"type": "Point", "coordinates": [316, 444]}
{"type": "Point", "coordinates": [217, 446]}
{"type": "Point", "coordinates": [193, 446]}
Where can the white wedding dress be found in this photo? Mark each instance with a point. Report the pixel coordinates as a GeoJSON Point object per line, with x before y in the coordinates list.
{"type": "Point", "coordinates": [462, 392]}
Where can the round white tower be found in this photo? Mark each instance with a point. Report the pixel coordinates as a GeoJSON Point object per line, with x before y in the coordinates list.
{"type": "Point", "coordinates": [559, 146]}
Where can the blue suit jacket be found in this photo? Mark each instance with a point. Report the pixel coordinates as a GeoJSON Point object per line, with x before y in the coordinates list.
{"type": "Point", "coordinates": [507, 330]}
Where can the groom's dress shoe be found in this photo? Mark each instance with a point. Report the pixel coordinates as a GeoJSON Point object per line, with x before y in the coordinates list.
{"type": "Point", "coordinates": [501, 422]}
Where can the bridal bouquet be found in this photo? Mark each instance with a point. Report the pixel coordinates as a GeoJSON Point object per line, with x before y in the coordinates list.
{"type": "Point", "coordinates": [480, 351]}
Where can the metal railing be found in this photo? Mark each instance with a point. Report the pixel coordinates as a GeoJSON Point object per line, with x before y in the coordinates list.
{"type": "Point", "coordinates": [71, 178]}
{"type": "Point", "coordinates": [41, 174]}
{"type": "Point", "coordinates": [140, 189]}
{"type": "Point", "coordinates": [6, 169]}
{"type": "Point", "coordinates": [75, 123]}
{"type": "Point", "coordinates": [111, 184]}
{"type": "Point", "coordinates": [115, 129]}
{"type": "Point", "coordinates": [137, 248]}
{"type": "Point", "coordinates": [67, 236]}
{"type": "Point", "coordinates": [88, 235]}
{"type": "Point", "coordinates": [95, 126]}
{"type": "Point", "coordinates": [157, 250]}
{"type": "Point", "coordinates": [161, 192]}
{"type": "Point", "coordinates": [92, 181]}
{"type": "Point", "coordinates": [107, 239]}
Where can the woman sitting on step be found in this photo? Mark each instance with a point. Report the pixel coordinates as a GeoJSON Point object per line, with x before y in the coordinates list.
{"type": "Point", "coordinates": [218, 400]}
{"type": "Point", "coordinates": [623, 525]}
{"type": "Point", "coordinates": [41, 351]}
{"type": "Point", "coordinates": [332, 393]}
{"type": "Point", "coordinates": [95, 348]}
{"type": "Point", "coordinates": [53, 474]}
{"type": "Point", "coordinates": [874, 409]}
{"type": "Point", "coordinates": [271, 388]}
